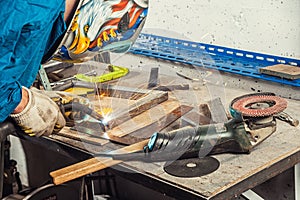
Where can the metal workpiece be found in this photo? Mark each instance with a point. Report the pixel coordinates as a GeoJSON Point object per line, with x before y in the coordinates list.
{"type": "Point", "coordinates": [115, 72]}
{"type": "Point", "coordinates": [208, 56]}
{"type": "Point", "coordinates": [44, 79]}
{"type": "Point", "coordinates": [91, 76]}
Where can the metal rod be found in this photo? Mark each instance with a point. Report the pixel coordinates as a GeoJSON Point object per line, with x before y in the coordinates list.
{"type": "Point", "coordinates": [250, 194]}
{"type": "Point", "coordinates": [44, 79]}
{"type": "Point", "coordinates": [297, 181]}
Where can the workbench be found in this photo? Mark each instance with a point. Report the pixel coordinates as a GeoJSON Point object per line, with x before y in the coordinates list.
{"type": "Point", "coordinates": [236, 173]}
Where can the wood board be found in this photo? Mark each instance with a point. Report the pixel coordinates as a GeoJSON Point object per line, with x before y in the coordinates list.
{"type": "Point", "coordinates": [129, 111]}
{"type": "Point", "coordinates": [284, 71]}
{"type": "Point", "coordinates": [91, 165]}
{"type": "Point", "coordinates": [156, 114]}
{"type": "Point", "coordinates": [143, 100]}
{"type": "Point", "coordinates": [83, 137]}
{"type": "Point", "coordinates": [134, 130]}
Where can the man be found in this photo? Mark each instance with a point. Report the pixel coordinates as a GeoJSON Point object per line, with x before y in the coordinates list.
{"type": "Point", "coordinates": [34, 31]}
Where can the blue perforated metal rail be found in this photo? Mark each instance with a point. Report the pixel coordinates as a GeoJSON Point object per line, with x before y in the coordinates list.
{"type": "Point", "coordinates": [210, 56]}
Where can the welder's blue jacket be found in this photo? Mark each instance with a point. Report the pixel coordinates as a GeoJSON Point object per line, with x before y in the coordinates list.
{"type": "Point", "coordinates": [28, 30]}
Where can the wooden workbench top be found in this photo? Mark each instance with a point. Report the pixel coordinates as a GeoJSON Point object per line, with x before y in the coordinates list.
{"type": "Point", "coordinates": [237, 173]}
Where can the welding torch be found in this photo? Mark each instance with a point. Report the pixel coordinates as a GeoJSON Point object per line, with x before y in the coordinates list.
{"type": "Point", "coordinates": [75, 111]}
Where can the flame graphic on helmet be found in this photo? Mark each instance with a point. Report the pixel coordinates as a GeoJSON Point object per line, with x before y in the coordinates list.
{"type": "Point", "coordinates": [99, 21]}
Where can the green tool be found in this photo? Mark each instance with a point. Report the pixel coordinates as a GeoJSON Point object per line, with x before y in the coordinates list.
{"type": "Point", "coordinates": [115, 72]}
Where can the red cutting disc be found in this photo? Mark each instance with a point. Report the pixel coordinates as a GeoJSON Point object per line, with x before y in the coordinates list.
{"type": "Point", "coordinates": [260, 105]}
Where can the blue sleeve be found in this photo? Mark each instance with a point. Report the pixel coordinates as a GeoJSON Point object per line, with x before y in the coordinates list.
{"type": "Point", "coordinates": [26, 26]}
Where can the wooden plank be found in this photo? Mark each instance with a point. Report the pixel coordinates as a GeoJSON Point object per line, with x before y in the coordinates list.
{"type": "Point", "coordinates": [143, 100]}
{"type": "Point", "coordinates": [107, 105]}
{"type": "Point", "coordinates": [83, 137]}
{"type": "Point", "coordinates": [284, 71]}
{"type": "Point", "coordinates": [147, 131]}
{"type": "Point", "coordinates": [146, 102]}
{"type": "Point", "coordinates": [121, 112]}
{"type": "Point", "coordinates": [156, 114]}
{"type": "Point", "coordinates": [79, 145]}
{"type": "Point", "coordinates": [91, 165]}
{"type": "Point", "coordinates": [134, 130]}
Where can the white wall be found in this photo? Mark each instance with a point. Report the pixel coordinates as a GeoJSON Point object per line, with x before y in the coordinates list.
{"type": "Point", "coordinates": [267, 26]}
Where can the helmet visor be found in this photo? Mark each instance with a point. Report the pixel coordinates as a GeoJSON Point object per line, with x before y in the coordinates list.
{"type": "Point", "coordinates": [102, 26]}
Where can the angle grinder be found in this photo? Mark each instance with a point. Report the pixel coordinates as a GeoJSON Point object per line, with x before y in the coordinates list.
{"type": "Point", "coordinates": [253, 120]}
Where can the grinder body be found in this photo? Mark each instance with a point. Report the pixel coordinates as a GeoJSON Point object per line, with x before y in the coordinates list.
{"type": "Point", "coordinates": [189, 142]}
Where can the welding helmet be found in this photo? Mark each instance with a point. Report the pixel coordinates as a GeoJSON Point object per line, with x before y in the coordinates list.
{"type": "Point", "coordinates": [102, 26]}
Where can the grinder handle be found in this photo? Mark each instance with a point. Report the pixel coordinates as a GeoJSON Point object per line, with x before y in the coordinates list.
{"type": "Point", "coordinates": [209, 139]}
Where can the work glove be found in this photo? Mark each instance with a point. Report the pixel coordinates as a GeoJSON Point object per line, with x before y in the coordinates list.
{"type": "Point", "coordinates": [41, 116]}
{"type": "Point", "coordinates": [73, 107]}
